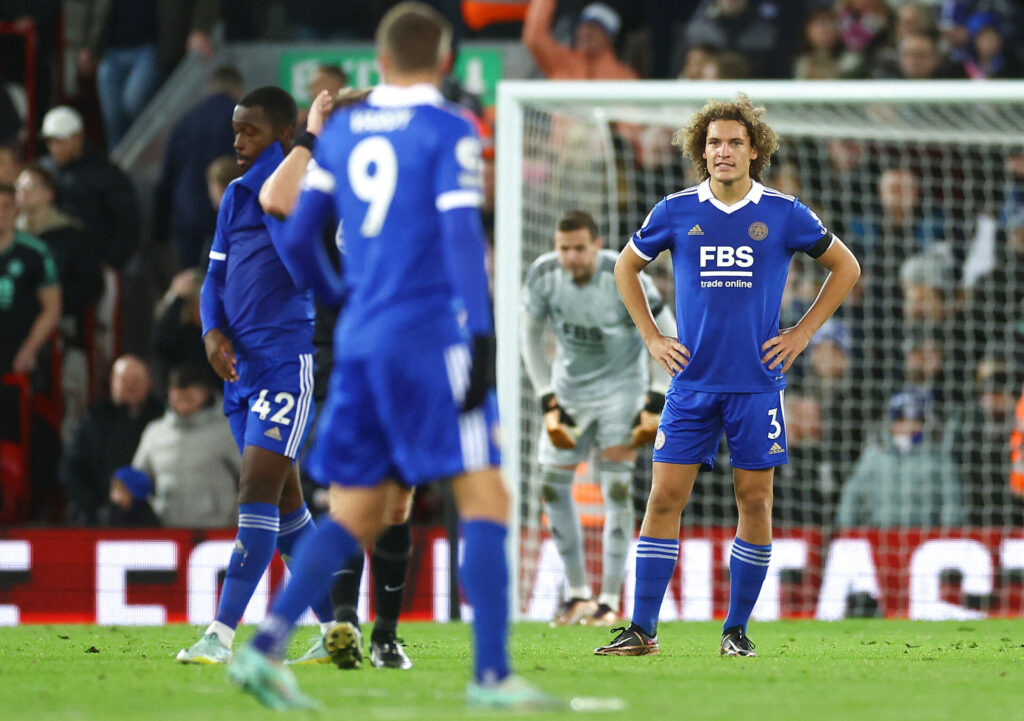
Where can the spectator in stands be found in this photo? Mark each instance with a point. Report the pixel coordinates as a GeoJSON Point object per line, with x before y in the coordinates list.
{"type": "Point", "coordinates": [979, 438]}
{"type": "Point", "coordinates": [695, 60]}
{"type": "Point", "coordinates": [191, 456]}
{"type": "Point", "coordinates": [130, 491]}
{"type": "Point", "coordinates": [955, 14]}
{"type": "Point", "coordinates": [907, 478]}
{"type": "Point", "coordinates": [822, 48]}
{"type": "Point", "coordinates": [926, 365]}
{"type": "Point", "coordinates": [862, 26]}
{"type": "Point", "coordinates": [10, 165]}
{"type": "Point", "coordinates": [726, 66]}
{"type": "Point", "coordinates": [592, 56]}
{"type": "Point", "coordinates": [759, 30]}
{"type": "Point", "coordinates": [219, 174]}
{"type": "Point", "coordinates": [81, 282]}
{"type": "Point", "coordinates": [30, 300]}
{"type": "Point", "coordinates": [177, 334]}
{"type": "Point", "coordinates": [91, 188]}
{"type": "Point", "coordinates": [330, 77]}
{"type": "Point", "coordinates": [132, 45]}
{"type": "Point", "coordinates": [913, 18]}
{"type": "Point", "coordinates": [181, 209]}
{"type": "Point", "coordinates": [994, 311]}
{"type": "Point", "coordinates": [106, 439]}
{"type": "Point", "coordinates": [987, 55]}
{"type": "Point", "coordinates": [920, 58]}
{"type": "Point", "coordinates": [928, 281]}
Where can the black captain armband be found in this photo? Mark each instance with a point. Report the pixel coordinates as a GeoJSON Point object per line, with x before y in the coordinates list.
{"type": "Point", "coordinates": [821, 246]}
{"type": "Point", "coordinates": [305, 139]}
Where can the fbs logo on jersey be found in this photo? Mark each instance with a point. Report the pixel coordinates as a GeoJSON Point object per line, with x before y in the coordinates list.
{"type": "Point", "coordinates": [273, 433]}
{"type": "Point", "coordinates": [776, 448]}
{"type": "Point", "coordinates": [696, 230]}
{"type": "Point", "coordinates": [659, 440]}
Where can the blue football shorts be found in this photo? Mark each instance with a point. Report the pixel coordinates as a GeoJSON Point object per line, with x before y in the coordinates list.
{"type": "Point", "coordinates": [692, 424]}
{"type": "Point", "coordinates": [271, 403]}
{"type": "Point", "coordinates": [397, 416]}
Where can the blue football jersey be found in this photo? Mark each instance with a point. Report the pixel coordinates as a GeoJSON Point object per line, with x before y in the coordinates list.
{"type": "Point", "coordinates": [393, 165]}
{"type": "Point", "coordinates": [730, 265]}
{"type": "Point", "coordinates": [260, 310]}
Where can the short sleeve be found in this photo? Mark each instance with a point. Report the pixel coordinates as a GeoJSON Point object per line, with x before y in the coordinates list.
{"type": "Point", "coordinates": [50, 276]}
{"type": "Point", "coordinates": [806, 232]}
{"type": "Point", "coordinates": [458, 181]}
{"type": "Point", "coordinates": [532, 297]}
{"type": "Point", "coordinates": [655, 235]}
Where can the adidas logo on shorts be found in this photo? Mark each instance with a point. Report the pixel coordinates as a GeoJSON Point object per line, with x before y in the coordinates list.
{"type": "Point", "coordinates": [776, 448]}
{"type": "Point", "coordinates": [273, 433]}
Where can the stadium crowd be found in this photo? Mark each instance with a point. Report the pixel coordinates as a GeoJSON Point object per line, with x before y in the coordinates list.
{"type": "Point", "coordinates": [900, 413]}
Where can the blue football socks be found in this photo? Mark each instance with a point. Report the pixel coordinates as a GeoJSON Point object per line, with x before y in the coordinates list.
{"type": "Point", "coordinates": [316, 559]}
{"type": "Point", "coordinates": [484, 576]}
{"type": "Point", "coordinates": [254, 547]}
{"type": "Point", "coordinates": [655, 564]}
{"type": "Point", "coordinates": [748, 566]}
{"type": "Point", "coordinates": [294, 526]}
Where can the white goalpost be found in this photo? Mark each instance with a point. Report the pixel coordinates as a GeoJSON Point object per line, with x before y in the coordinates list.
{"type": "Point", "coordinates": [919, 178]}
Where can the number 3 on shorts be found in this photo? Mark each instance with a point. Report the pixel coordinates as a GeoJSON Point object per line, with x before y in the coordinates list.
{"type": "Point", "coordinates": [285, 400]}
{"type": "Point", "coordinates": [776, 429]}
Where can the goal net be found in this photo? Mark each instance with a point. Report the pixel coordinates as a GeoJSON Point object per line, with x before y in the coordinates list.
{"type": "Point", "coordinates": [897, 498]}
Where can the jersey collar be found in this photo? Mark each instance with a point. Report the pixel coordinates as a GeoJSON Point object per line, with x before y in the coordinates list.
{"type": "Point", "coordinates": [753, 196]}
{"type": "Point", "coordinates": [265, 164]}
{"type": "Point", "coordinates": [397, 96]}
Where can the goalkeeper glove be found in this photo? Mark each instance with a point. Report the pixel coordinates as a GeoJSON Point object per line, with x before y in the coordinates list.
{"type": "Point", "coordinates": [481, 374]}
{"type": "Point", "coordinates": [561, 426]}
{"type": "Point", "coordinates": [645, 425]}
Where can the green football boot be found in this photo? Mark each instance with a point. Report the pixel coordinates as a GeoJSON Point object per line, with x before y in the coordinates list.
{"type": "Point", "coordinates": [510, 694]}
{"type": "Point", "coordinates": [316, 653]}
{"type": "Point", "coordinates": [270, 682]}
{"type": "Point", "coordinates": [208, 650]}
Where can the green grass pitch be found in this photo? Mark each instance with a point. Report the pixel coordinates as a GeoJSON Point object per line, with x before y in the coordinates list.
{"type": "Point", "coordinates": [865, 670]}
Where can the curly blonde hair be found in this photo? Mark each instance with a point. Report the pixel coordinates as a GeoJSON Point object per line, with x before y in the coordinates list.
{"type": "Point", "coordinates": [692, 138]}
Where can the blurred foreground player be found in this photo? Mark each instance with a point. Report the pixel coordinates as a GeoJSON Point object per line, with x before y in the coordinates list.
{"type": "Point", "coordinates": [412, 393]}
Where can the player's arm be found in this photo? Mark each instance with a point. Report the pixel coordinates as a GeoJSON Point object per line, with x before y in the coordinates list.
{"type": "Point", "coordinates": [219, 351]}
{"type": "Point", "coordinates": [560, 426]}
{"type": "Point", "coordinates": [667, 351]}
{"type": "Point", "coordinates": [281, 189]}
{"type": "Point", "coordinates": [298, 240]}
{"type": "Point", "coordinates": [844, 270]}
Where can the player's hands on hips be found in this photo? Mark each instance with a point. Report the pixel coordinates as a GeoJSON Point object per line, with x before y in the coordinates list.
{"type": "Point", "coordinates": [785, 347]}
{"type": "Point", "coordinates": [221, 355]}
{"type": "Point", "coordinates": [561, 426]}
{"type": "Point", "coordinates": [672, 355]}
{"type": "Point", "coordinates": [645, 425]}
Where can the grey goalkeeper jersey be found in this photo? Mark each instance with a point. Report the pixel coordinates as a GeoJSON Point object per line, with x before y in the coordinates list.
{"type": "Point", "coordinates": [599, 352]}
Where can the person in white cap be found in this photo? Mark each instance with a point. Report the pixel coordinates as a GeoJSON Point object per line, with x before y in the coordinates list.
{"type": "Point", "coordinates": [90, 187]}
{"type": "Point", "coordinates": [592, 56]}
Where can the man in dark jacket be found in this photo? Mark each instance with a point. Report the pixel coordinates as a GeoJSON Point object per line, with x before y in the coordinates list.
{"type": "Point", "coordinates": [91, 188]}
{"type": "Point", "coordinates": [106, 440]}
{"type": "Point", "coordinates": [181, 206]}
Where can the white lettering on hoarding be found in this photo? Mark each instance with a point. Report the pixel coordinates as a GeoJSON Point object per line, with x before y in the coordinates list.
{"type": "Point", "coordinates": [927, 564]}
{"type": "Point", "coordinates": [14, 556]}
{"type": "Point", "coordinates": [113, 561]}
{"type": "Point", "coordinates": [849, 569]}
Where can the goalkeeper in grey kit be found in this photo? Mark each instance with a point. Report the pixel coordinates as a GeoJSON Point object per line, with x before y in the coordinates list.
{"type": "Point", "coordinates": [601, 390]}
